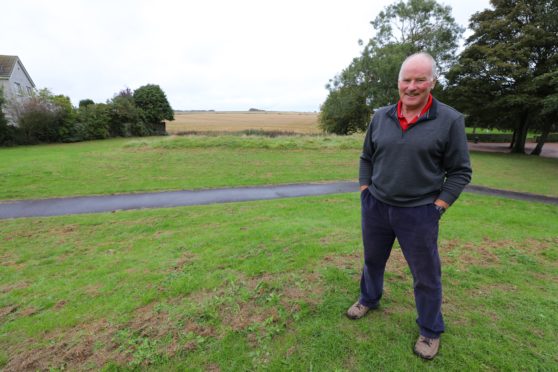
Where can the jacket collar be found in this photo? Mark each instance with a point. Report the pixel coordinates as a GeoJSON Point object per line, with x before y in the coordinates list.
{"type": "Point", "coordinates": [430, 114]}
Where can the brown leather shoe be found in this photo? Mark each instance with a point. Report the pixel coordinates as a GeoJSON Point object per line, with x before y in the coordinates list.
{"type": "Point", "coordinates": [427, 348]}
{"type": "Point", "coordinates": [357, 311]}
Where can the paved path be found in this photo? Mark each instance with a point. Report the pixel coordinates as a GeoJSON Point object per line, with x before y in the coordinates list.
{"type": "Point", "coordinates": [109, 203]}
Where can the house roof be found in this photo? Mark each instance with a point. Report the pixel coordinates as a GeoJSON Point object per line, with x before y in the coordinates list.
{"type": "Point", "coordinates": [7, 65]}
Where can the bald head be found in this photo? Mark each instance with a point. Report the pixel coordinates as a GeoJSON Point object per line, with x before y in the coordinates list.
{"type": "Point", "coordinates": [417, 78]}
{"type": "Point", "coordinates": [420, 59]}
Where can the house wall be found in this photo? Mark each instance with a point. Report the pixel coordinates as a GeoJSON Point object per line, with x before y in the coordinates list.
{"type": "Point", "coordinates": [18, 77]}
{"type": "Point", "coordinates": [13, 92]}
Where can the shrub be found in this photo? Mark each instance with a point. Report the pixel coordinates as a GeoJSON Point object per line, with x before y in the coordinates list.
{"type": "Point", "coordinates": [86, 102]}
{"type": "Point", "coordinates": [344, 111]}
{"type": "Point", "coordinates": [67, 116]}
{"type": "Point", "coordinates": [153, 102]}
{"type": "Point", "coordinates": [93, 122]}
{"type": "Point", "coordinates": [39, 118]}
{"type": "Point", "coordinates": [4, 134]}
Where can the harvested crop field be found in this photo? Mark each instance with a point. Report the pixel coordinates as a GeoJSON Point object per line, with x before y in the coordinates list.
{"type": "Point", "coordinates": [238, 121]}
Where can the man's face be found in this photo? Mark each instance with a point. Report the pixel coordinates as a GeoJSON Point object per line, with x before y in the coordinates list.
{"type": "Point", "coordinates": [415, 83]}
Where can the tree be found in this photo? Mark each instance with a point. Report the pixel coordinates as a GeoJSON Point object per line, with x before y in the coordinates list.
{"type": "Point", "coordinates": [4, 130]}
{"type": "Point", "coordinates": [39, 120]}
{"type": "Point", "coordinates": [507, 75]}
{"type": "Point", "coordinates": [86, 102]}
{"type": "Point", "coordinates": [401, 29]}
{"type": "Point", "coordinates": [344, 111]}
{"type": "Point", "coordinates": [66, 117]}
{"type": "Point", "coordinates": [93, 122]}
{"type": "Point", "coordinates": [153, 102]}
{"type": "Point", "coordinates": [126, 119]}
{"type": "Point", "coordinates": [420, 25]}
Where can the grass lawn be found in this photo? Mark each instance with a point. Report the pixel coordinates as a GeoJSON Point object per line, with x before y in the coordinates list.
{"type": "Point", "coordinates": [194, 162]}
{"type": "Point", "coordinates": [264, 285]}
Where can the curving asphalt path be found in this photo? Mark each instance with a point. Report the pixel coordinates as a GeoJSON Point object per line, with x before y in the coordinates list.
{"type": "Point", "coordinates": [110, 203]}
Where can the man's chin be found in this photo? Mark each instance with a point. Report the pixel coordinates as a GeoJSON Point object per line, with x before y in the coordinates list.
{"type": "Point", "coordinates": [413, 102]}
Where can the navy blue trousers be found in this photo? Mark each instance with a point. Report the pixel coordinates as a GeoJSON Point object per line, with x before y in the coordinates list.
{"type": "Point", "coordinates": [416, 229]}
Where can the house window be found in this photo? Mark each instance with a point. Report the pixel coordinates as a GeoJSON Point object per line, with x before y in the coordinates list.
{"type": "Point", "coordinates": [29, 91]}
{"type": "Point", "coordinates": [19, 90]}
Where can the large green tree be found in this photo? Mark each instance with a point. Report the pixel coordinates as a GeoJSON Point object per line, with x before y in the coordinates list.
{"type": "Point", "coordinates": [153, 102]}
{"type": "Point", "coordinates": [370, 81]}
{"type": "Point", "coordinates": [507, 75]}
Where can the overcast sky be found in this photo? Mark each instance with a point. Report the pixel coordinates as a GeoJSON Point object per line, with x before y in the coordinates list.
{"type": "Point", "coordinates": [205, 54]}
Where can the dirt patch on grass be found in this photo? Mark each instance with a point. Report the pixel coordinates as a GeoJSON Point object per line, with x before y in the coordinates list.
{"type": "Point", "coordinates": [489, 252]}
{"type": "Point", "coordinates": [351, 260]}
{"type": "Point", "coordinates": [184, 260]}
{"type": "Point", "coordinates": [89, 346]}
{"type": "Point", "coordinates": [259, 304]}
{"type": "Point", "coordinates": [7, 310]}
{"type": "Point", "coordinates": [68, 349]}
{"type": "Point", "coordinates": [11, 287]}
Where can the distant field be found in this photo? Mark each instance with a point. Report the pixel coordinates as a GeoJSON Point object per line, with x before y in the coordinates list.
{"type": "Point", "coordinates": [225, 121]}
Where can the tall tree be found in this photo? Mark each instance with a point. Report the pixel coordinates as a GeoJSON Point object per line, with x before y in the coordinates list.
{"type": "Point", "coordinates": [153, 102]}
{"type": "Point", "coordinates": [401, 29]}
{"type": "Point", "coordinates": [506, 76]}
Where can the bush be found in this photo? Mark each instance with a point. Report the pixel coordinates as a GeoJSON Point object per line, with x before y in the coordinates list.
{"type": "Point", "coordinates": [67, 116]}
{"type": "Point", "coordinates": [86, 102]}
{"type": "Point", "coordinates": [153, 103]}
{"type": "Point", "coordinates": [126, 119]}
{"type": "Point", "coordinates": [39, 118]}
{"type": "Point", "coordinates": [93, 122]}
{"type": "Point", "coordinates": [4, 134]}
{"type": "Point", "coordinates": [344, 111]}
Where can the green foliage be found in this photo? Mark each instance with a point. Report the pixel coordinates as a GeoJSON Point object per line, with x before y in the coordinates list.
{"type": "Point", "coordinates": [371, 79]}
{"type": "Point", "coordinates": [67, 116]}
{"type": "Point", "coordinates": [93, 122]}
{"type": "Point", "coordinates": [40, 119]}
{"type": "Point", "coordinates": [153, 102]}
{"type": "Point", "coordinates": [86, 102]}
{"type": "Point", "coordinates": [506, 77]}
{"type": "Point", "coordinates": [52, 118]}
{"type": "Point", "coordinates": [344, 111]}
{"type": "Point", "coordinates": [4, 135]}
{"type": "Point", "coordinates": [422, 26]}
{"type": "Point", "coordinates": [126, 119]}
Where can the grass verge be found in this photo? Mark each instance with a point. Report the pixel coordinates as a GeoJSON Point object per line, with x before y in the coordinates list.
{"type": "Point", "coordinates": [194, 162]}
{"type": "Point", "coordinates": [264, 285]}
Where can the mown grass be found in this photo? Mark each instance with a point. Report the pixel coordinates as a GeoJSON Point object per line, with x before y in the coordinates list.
{"type": "Point", "coordinates": [194, 162]}
{"type": "Point", "coordinates": [119, 166]}
{"type": "Point", "coordinates": [264, 285]}
{"type": "Point", "coordinates": [516, 172]}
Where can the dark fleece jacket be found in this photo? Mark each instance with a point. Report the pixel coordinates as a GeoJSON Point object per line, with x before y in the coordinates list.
{"type": "Point", "coordinates": [428, 161]}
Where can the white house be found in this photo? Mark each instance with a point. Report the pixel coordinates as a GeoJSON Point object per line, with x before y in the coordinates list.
{"type": "Point", "coordinates": [14, 79]}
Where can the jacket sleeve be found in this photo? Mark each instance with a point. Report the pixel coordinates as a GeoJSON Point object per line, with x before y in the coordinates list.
{"type": "Point", "coordinates": [365, 165]}
{"type": "Point", "coordinates": [456, 163]}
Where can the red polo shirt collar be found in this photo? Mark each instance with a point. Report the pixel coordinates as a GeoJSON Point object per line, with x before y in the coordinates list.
{"type": "Point", "coordinates": [403, 122]}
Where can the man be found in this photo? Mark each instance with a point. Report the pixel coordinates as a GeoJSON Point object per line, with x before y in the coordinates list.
{"type": "Point", "coordinates": [414, 165]}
